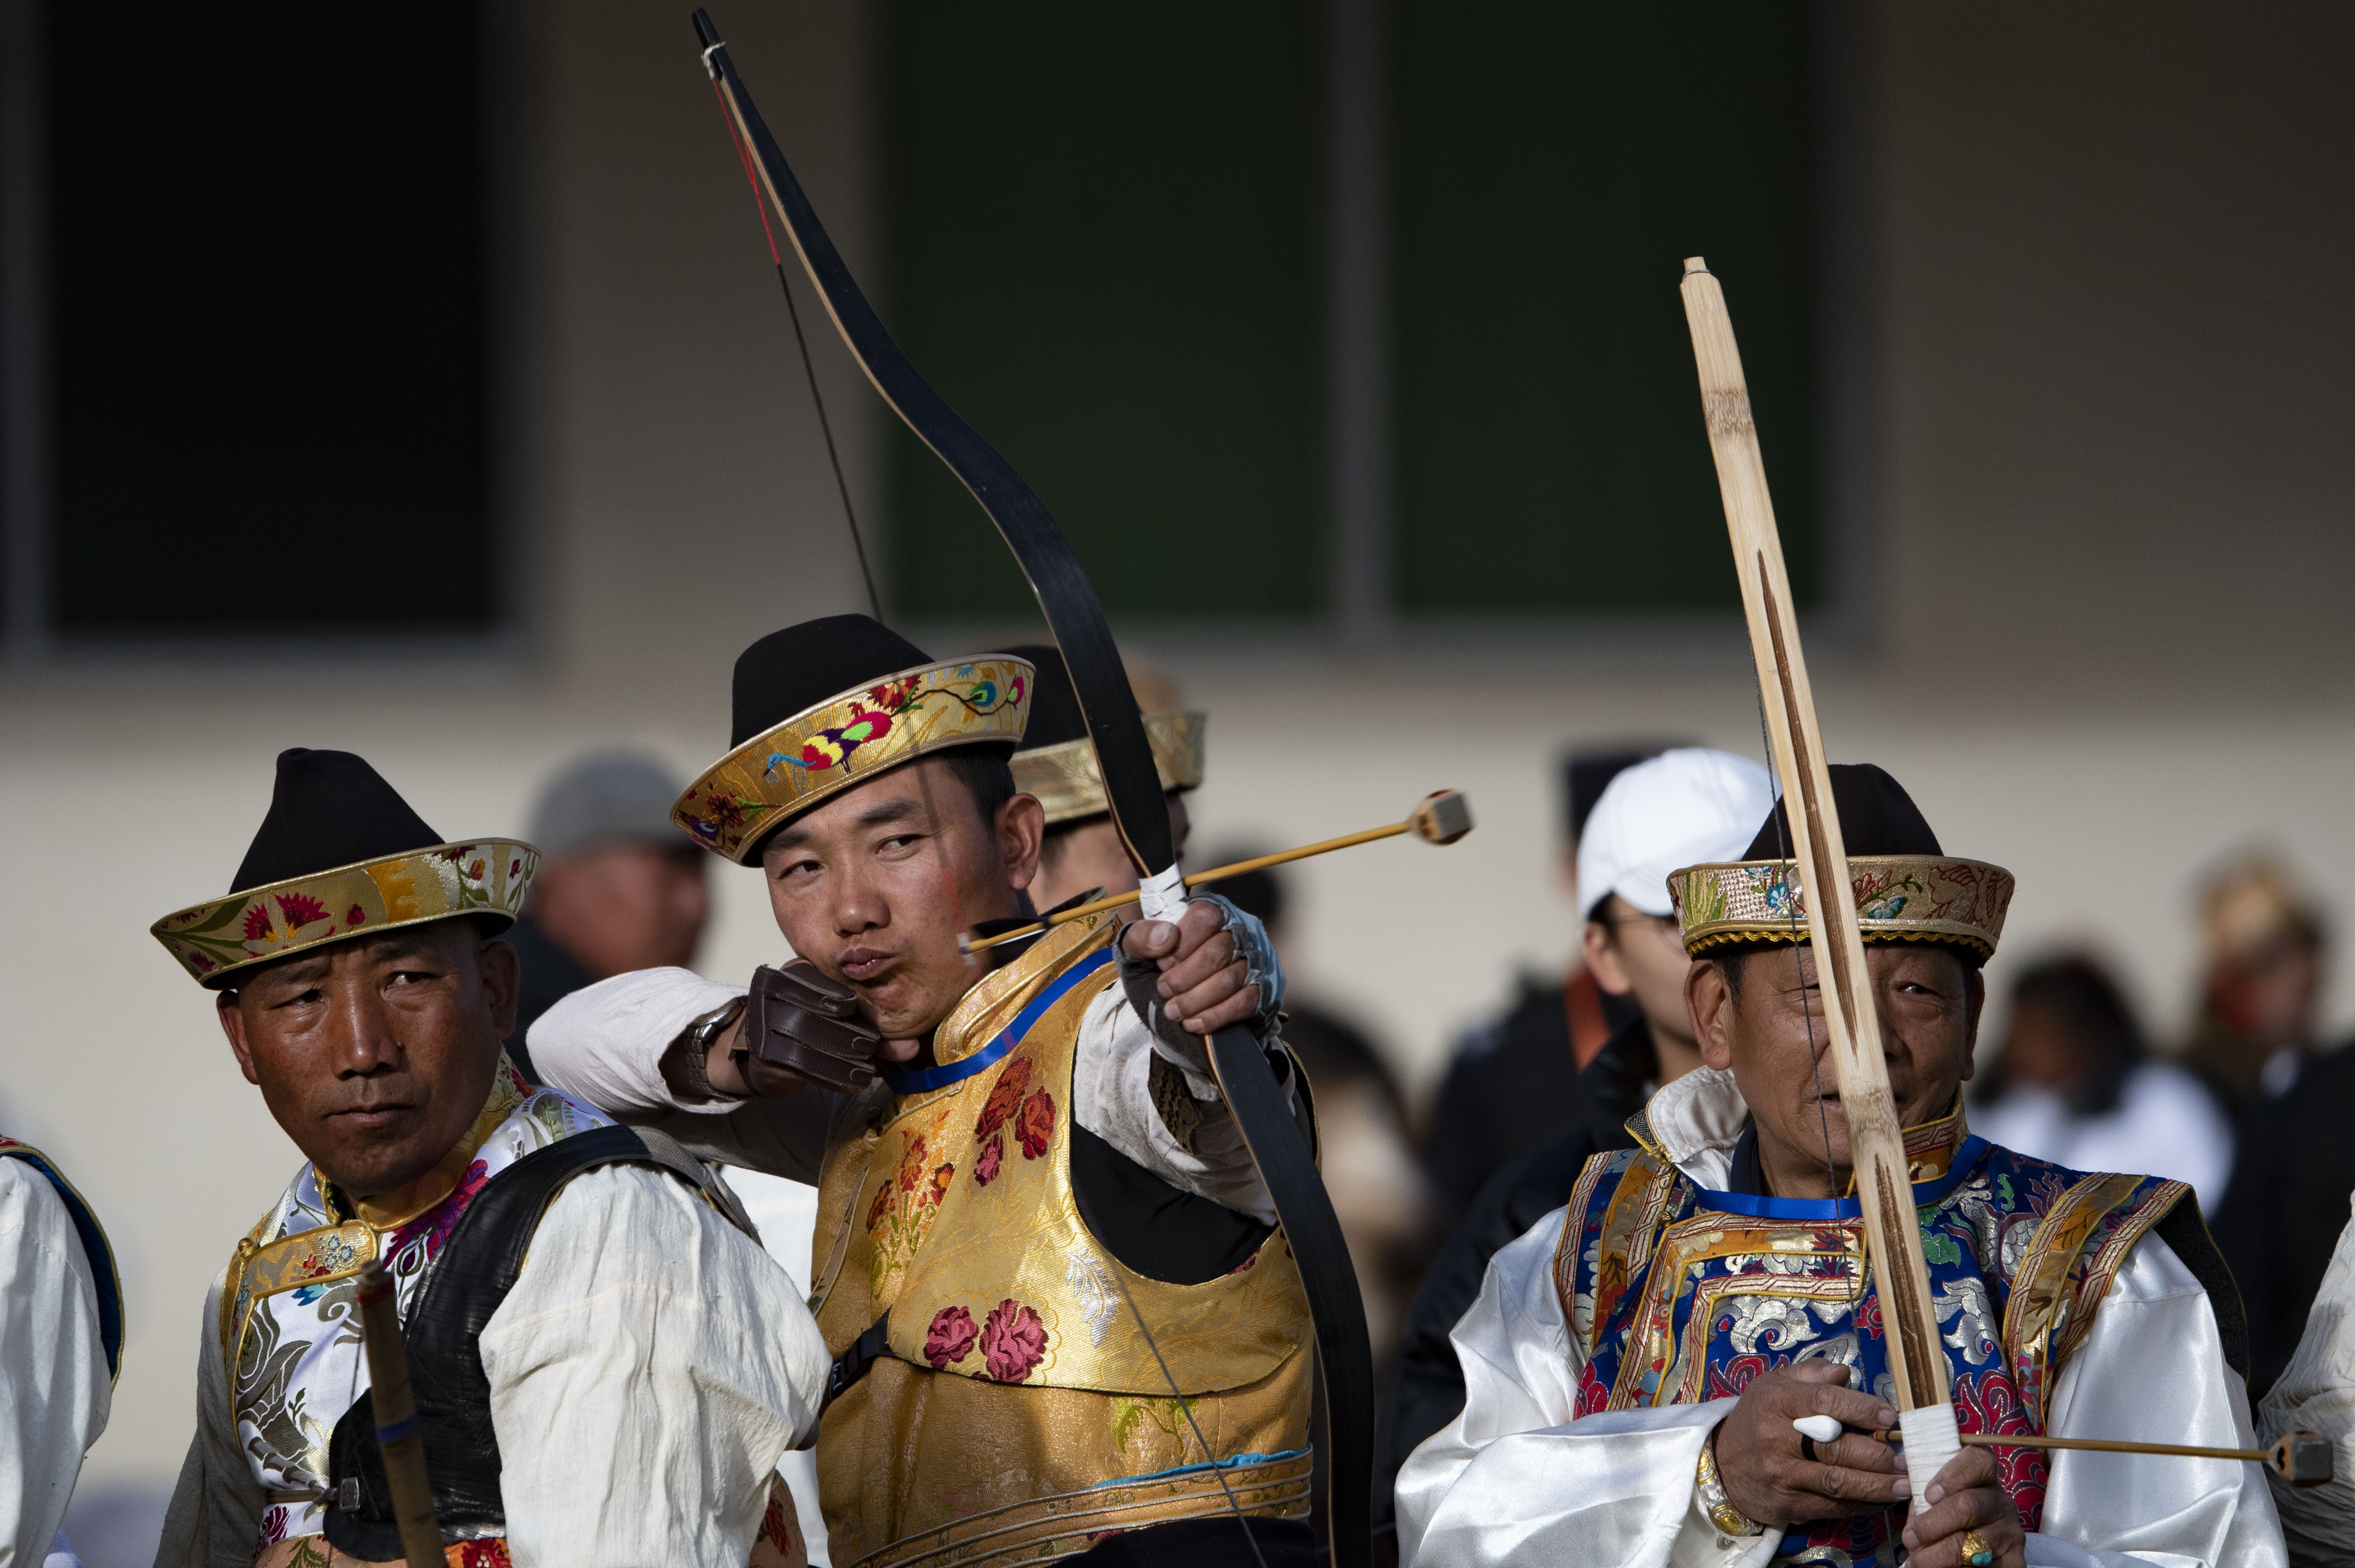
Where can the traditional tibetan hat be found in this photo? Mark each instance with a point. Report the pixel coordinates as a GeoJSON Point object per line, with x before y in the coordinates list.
{"type": "Point", "coordinates": [829, 704]}
{"type": "Point", "coordinates": [1906, 888]}
{"type": "Point", "coordinates": [1057, 761]}
{"type": "Point", "coordinates": [341, 854]}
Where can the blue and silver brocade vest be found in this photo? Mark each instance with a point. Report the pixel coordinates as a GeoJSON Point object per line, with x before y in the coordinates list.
{"type": "Point", "coordinates": [1680, 1295]}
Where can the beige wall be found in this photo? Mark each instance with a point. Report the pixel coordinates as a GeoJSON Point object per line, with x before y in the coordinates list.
{"type": "Point", "coordinates": [2108, 547]}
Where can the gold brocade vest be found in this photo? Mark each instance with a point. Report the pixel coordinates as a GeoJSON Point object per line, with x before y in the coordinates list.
{"type": "Point", "coordinates": [1020, 1412]}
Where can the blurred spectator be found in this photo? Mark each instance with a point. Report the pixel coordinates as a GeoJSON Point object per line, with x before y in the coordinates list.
{"type": "Point", "coordinates": [1366, 1155]}
{"type": "Point", "coordinates": [2074, 1083]}
{"type": "Point", "coordinates": [2264, 975]}
{"type": "Point", "coordinates": [1513, 1086]}
{"type": "Point", "coordinates": [2317, 1393]}
{"type": "Point", "coordinates": [2286, 1205]}
{"type": "Point", "coordinates": [1683, 808]}
{"type": "Point", "coordinates": [620, 885]}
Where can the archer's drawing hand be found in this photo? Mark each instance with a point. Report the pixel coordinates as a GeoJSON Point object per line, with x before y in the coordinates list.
{"type": "Point", "coordinates": [1766, 1476]}
{"type": "Point", "coordinates": [1206, 983]}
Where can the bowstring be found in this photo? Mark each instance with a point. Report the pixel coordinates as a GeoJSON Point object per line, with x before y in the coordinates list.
{"type": "Point", "coordinates": [1186, 1408]}
{"type": "Point", "coordinates": [841, 486]}
{"type": "Point", "coordinates": [801, 341]}
{"type": "Point", "coordinates": [1815, 1062]}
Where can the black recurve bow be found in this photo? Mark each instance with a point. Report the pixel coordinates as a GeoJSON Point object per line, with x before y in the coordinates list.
{"type": "Point", "coordinates": [1132, 785]}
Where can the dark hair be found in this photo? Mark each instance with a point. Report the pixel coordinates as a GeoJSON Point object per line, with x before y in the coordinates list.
{"type": "Point", "coordinates": [2080, 996]}
{"type": "Point", "coordinates": [1730, 960]}
{"type": "Point", "coordinates": [986, 777]}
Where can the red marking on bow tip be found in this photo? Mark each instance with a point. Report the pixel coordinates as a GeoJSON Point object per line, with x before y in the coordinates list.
{"type": "Point", "coordinates": [744, 156]}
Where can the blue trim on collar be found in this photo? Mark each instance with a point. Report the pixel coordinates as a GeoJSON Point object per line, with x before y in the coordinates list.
{"type": "Point", "coordinates": [104, 1272]}
{"type": "Point", "coordinates": [1760, 1207]}
{"type": "Point", "coordinates": [928, 1078]}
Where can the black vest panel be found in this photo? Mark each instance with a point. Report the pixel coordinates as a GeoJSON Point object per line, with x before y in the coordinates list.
{"type": "Point", "coordinates": [478, 1266]}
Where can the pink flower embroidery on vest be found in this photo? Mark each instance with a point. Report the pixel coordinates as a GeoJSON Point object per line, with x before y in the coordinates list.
{"type": "Point", "coordinates": [950, 1338]}
{"type": "Point", "coordinates": [1035, 1123]}
{"type": "Point", "coordinates": [1013, 1341]}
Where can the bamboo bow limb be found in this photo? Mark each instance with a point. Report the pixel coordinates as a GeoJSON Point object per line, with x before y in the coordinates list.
{"type": "Point", "coordinates": [1876, 1144]}
{"type": "Point", "coordinates": [1441, 819]}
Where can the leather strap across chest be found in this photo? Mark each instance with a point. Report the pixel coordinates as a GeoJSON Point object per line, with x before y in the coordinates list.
{"type": "Point", "coordinates": [477, 1268]}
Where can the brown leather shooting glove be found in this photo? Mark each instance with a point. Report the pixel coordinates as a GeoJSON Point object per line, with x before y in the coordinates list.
{"type": "Point", "coordinates": [798, 1021]}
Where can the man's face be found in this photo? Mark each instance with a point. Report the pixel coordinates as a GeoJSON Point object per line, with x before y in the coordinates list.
{"type": "Point", "coordinates": [1774, 1039]}
{"type": "Point", "coordinates": [375, 1054]}
{"type": "Point", "coordinates": [872, 887]}
{"type": "Point", "coordinates": [1092, 856]}
{"type": "Point", "coordinates": [624, 906]}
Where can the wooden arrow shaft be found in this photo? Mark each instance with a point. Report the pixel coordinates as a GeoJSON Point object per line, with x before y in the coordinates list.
{"type": "Point", "coordinates": [1256, 863]}
{"type": "Point", "coordinates": [1876, 1142]}
{"type": "Point", "coordinates": [2092, 1444]}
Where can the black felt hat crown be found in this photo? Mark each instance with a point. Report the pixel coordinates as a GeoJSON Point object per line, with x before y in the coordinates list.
{"type": "Point", "coordinates": [1876, 817]}
{"type": "Point", "coordinates": [790, 672]}
{"type": "Point", "coordinates": [340, 855]}
{"type": "Point", "coordinates": [328, 809]}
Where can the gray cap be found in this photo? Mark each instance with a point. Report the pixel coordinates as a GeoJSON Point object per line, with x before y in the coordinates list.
{"type": "Point", "coordinates": [607, 797]}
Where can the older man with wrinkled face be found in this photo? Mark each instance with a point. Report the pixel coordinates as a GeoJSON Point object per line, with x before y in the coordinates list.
{"type": "Point", "coordinates": [1639, 1361]}
{"type": "Point", "coordinates": [607, 1368]}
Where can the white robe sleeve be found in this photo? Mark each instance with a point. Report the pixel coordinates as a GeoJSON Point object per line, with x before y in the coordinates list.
{"type": "Point", "coordinates": [1112, 1096]}
{"type": "Point", "coordinates": [215, 1517]}
{"type": "Point", "coordinates": [2316, 1392]}
{"type": "Point", "coordinates": [2152, 1368]}
{"type": "Point", "coordinates": [54, 1386]}
{"type": "Point", "coordinates": [647, 1371]}
{"type": "Point", "coordinates": [1515, 1477]}
{"type": "Point", "coordinates": [604, 1044]}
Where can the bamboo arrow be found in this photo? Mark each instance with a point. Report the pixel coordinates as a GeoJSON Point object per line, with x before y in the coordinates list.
{"type": "Point", "coordinates": [1441, 818]}
{"type": "Point", "coordinates": [2301, 1458]}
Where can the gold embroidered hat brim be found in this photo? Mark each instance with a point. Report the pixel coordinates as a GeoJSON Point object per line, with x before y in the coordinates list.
{"type": "Point", "coordinates": [1899, 897]}
{"type": "Point", "coordinates": [1068, 783]}
{"type": "Point", "coordinates": [848, 738]}
{"type": "Point", "coordinates": [482, 878]}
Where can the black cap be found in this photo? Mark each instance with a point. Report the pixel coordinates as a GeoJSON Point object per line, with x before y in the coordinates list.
{"type": "Point", "coordinates": [1055, 715]}
{"type": "Point", "coordinates": [1876, 817]}
{"type": "Point", "coordinates": [328, 809]}
{"type": "Point", "coordinates": [792, 671]}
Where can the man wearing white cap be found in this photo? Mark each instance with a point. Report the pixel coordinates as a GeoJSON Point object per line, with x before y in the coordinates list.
{"type": "Point", "coordinates": [1679, 808]}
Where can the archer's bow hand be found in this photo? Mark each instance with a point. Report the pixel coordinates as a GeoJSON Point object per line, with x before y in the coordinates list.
{"type": "Point", "coordinates": [1211, 970]}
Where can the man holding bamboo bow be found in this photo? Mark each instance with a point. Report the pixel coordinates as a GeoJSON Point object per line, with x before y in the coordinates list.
{"type": "Point", "coordinates": [1062, 1316]}
{"type": "Point", "coordinates": [1636, 1363]}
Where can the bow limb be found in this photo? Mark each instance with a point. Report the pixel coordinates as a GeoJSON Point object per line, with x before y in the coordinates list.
{"type": "Point", "coordinates": [1876, 1141]}
{"type": "Point", "coordinates": [1139, 808]}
